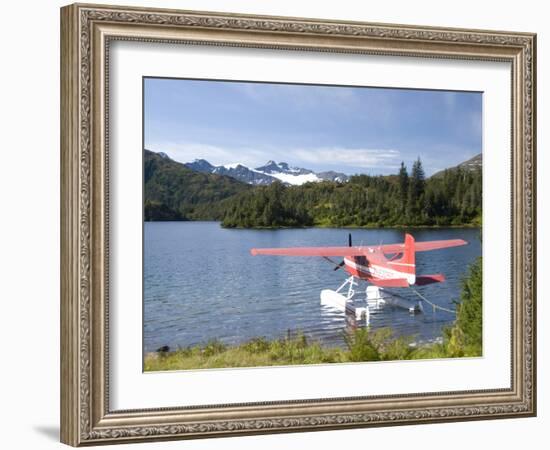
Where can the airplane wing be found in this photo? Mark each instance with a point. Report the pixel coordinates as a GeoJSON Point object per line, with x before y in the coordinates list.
{"type": "Point", "coordinates": [423, 246]}
{"type": "Point", "coordinates": [311, 251]}
{"type": "Point", "coordinates": [355, 251]}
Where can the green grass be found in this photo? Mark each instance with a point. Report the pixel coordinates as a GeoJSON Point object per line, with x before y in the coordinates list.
{"type": "Point", "coordinates": [362, 345]}
{"type": "Point", "coordinates": [255, 352]}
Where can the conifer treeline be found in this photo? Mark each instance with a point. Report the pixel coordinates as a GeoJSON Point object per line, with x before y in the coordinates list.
{"type": "Point", "coordinates": [451, 198]}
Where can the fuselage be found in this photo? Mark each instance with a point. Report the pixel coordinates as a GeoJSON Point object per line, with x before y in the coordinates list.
{"type": "Point", "coordinates": [375, 266]}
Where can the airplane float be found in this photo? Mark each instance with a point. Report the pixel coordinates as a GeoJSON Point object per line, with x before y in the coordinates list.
{"type": "Point", "coordinates": [383, 266]}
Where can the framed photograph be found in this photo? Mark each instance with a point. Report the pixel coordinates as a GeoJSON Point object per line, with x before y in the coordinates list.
{"type": "Point", "coordinates": [278, 224]}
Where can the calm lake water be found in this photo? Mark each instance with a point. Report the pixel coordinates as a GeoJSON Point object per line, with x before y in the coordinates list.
{"type": "Point", "coordinates": [201, 283]}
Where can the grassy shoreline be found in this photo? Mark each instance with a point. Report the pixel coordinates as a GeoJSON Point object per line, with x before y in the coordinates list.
{"type": "Point", "coordinates": [362, 345]}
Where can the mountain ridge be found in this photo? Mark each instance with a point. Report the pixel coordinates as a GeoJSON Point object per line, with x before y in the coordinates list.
{"type": "Point", "coordinates": [474, 163]}
{"type": "Point", "coordinates": [268, 173]}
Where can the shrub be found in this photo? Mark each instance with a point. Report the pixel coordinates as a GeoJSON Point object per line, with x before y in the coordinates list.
{"type": "Point", "coordinates": [214, 347]}
{"type": "Point", "coordinates": [256, 345]}
{"type": "Point", "coordinates": [361, 347]}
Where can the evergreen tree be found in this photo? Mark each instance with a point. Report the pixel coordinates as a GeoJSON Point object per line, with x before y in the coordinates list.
{"type": "Point", "coordinates": [418, 179]}
{"type": "Point", "coordinates": [465, 338]}
{"type": "Point", "coordinates": [415, 199]}
{"type": "Point", "coordinates": [403, 186]}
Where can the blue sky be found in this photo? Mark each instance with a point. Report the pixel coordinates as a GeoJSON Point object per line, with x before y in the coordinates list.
{"type": "Point", "coordinates": [347, 129]}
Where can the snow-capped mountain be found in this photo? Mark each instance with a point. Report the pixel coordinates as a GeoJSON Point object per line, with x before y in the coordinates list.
{"type": "Point", "coordinates": [291, 175]}
{"type": "Point", "coordinates": [237, 171]}
{"type": "Point", "coordinates": [243, 173]}
{"type": "Point", "coordinates": [267, 174]}
{"type": "Point", "coordinates": [271, 167]}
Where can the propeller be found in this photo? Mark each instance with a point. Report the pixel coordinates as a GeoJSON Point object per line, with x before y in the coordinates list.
{"type": "Point", "coordinates": [339, 266]}
{"type": "Point", "coordinates": [332, 262]}
{"type": "Point", "coordinates": [343, 263]}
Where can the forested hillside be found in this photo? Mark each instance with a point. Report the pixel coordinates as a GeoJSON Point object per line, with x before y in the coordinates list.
{"type": "Point", "coordinates": [175, 192]}
{"type": "Point", "coordinates": [454, 198]}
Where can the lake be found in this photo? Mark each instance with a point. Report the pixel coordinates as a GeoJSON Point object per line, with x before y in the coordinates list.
{"type": "Point", "coordinates": [201, 283]}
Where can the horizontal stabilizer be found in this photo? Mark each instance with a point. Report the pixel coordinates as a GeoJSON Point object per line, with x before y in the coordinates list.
{"type": "Point", "coordinates": [423, 280]}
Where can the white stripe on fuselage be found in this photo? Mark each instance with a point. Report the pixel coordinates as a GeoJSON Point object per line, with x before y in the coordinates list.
{"type": "Point", "coordinates": [401, 264]}
{"type": "Point", "coordinates": [384, 273]}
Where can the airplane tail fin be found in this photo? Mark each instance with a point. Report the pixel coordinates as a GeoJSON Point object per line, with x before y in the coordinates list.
{"type": "Point", "coordinates": [407, 263]}
{"type": "Point", "coordinates": [408, 260]}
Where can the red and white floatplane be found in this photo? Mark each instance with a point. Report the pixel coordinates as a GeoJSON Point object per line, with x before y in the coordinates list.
{"type": "Point", "coordinates": [382, 266]}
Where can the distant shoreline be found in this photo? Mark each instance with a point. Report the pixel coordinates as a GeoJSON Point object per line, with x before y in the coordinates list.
{"type": "Point", "coordinates": [351, 227]}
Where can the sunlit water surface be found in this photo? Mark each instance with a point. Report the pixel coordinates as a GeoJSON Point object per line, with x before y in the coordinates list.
{"type": "Point", "coordinates": [201, 283]}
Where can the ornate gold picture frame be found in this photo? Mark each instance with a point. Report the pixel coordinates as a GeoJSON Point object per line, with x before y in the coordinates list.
{"type": "Point", "coordinates": [87, 32]}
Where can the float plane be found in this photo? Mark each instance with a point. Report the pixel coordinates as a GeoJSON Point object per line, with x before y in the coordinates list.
{"type": "Point", "coordinates": [384, 266]}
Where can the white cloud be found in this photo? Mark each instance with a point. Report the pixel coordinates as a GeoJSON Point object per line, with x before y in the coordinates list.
{"type": "Point", "coordinates": [189, 151]}
{"type": "Point", "coordinates": [325, 158]}
{"type": "Point", "coordinates": [366, 158]}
